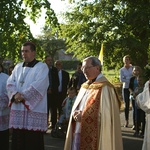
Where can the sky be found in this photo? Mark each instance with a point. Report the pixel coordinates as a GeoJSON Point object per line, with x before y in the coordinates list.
{"type": "Point", "coordinates": [57, 5]}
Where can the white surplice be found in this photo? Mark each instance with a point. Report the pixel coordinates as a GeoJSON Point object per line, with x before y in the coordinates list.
{"type": "Point", "coordinates": [143, 101]}
{"type": "Point", "coordinates": [4, 109]}
{"type": "Point", "coordinates": [32, 83]}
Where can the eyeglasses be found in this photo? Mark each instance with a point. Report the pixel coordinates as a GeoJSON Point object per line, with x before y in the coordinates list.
{"type": "Point", "coordinates": [86, 68]}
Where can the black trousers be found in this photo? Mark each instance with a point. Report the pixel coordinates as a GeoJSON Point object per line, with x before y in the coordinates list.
{"type": "Point", "coordinates": [127, 103]}
{"type": "Point", "coordinates": [4, 139]}
{"type": "Point", "coordinates": [140, 120]}
{"type": "Point", "coordinates": [27, 140]}
{"type": "Point", "coordinates": [52, 108]}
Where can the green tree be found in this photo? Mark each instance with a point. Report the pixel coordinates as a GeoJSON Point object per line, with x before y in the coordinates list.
{"type": "Point", "coordinates": [49, 41]}
{"type": "Point", "coordinates": [123, 26]}
{"type": "Point", "coordinates": [14, 30]}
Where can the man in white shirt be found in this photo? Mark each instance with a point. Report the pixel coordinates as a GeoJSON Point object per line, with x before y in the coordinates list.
{"type": "Point", "coordinates": [63, 84]}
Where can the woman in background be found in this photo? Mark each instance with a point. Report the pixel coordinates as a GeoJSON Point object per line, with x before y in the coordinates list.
{"type": "Point", "coordinates": [125, 75]}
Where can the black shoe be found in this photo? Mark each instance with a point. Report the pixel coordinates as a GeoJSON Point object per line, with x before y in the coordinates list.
{"type": "Point", "coordinates": [126, 124]}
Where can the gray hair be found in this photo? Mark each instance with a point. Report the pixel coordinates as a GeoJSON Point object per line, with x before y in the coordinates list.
{"type": "Point", "coordinates": [95, 61]}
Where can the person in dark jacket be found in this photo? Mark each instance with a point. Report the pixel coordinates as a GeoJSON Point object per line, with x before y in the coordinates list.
{"type": "Point", "coordinates": [132, 85]}
{"type": "Point", "coordinates": [63, 84]}
{"type": "Point", "coordinates": [52, 91]}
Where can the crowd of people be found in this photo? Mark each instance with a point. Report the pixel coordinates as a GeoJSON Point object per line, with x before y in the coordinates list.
{"type": "Point", "coordinates": [36, 95]}
{"type": "Point", "coordinates": [31, 94]}
{"type": "Point", "coordinates": [136, 90]}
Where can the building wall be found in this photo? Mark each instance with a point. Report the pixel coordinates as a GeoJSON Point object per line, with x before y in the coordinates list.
{"type": "Point", "coordinates": [62, 55]}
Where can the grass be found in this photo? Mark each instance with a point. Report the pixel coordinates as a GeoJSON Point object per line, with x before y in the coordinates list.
{"type": "Point", "coordinates": [70, 72]}
{"type": "Point", "coordinates": [111, 75]}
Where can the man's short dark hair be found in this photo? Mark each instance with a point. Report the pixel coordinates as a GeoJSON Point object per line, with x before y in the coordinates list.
{"type": "Point", "coordinates": [31, 44]}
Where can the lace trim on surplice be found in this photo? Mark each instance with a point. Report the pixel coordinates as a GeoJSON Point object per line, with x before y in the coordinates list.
{"type": "Point", "coordinates": [28, 120]}
{"type": "Point", "coordinates": [32, 97]}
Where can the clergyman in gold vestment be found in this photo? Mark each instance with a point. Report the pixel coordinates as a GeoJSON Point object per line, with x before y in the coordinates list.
{"type": "Point", "coordinates": [95, 119]}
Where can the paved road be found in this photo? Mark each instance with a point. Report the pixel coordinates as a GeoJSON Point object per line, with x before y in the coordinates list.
{"type": "Point", "coordinates": [129, 141]}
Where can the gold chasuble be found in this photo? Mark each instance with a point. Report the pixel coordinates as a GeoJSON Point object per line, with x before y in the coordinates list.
{"type": "Point", "coordinates": [89, 125]}
{"type": "Point", "coordinates": [100, 123]}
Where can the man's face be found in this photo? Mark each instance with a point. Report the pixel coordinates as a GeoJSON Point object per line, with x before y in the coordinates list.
{"type": "Point", "coordinates": [48, 61]}
{"type": "Point", "coordinates": [58, 65]}
{"type": "Point", "coordinates": [90, 71]}
{"type": "Point", "coordinates": [27, 54]}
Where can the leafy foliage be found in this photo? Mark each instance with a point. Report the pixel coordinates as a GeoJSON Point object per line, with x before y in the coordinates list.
{"type": "Point", "coordinates": [147, 72]}
{"type": "Point", "coordinates": [13, 29]}
{"type": "Point", "coordinates": [49, 42]}
{"type": "Point", "coordinates": [123, 26]}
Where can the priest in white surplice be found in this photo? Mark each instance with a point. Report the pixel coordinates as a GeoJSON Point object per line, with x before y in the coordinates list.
{"type": "Point", "coordinates": [143, 101]}
{"type": "Point", "coordinates": [27, 91]}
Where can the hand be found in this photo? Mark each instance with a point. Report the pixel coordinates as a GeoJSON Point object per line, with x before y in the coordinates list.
{"type": "Point", "coordinates": [77, 115]}
{"type": "Point", "coordinates": [18, 98]}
